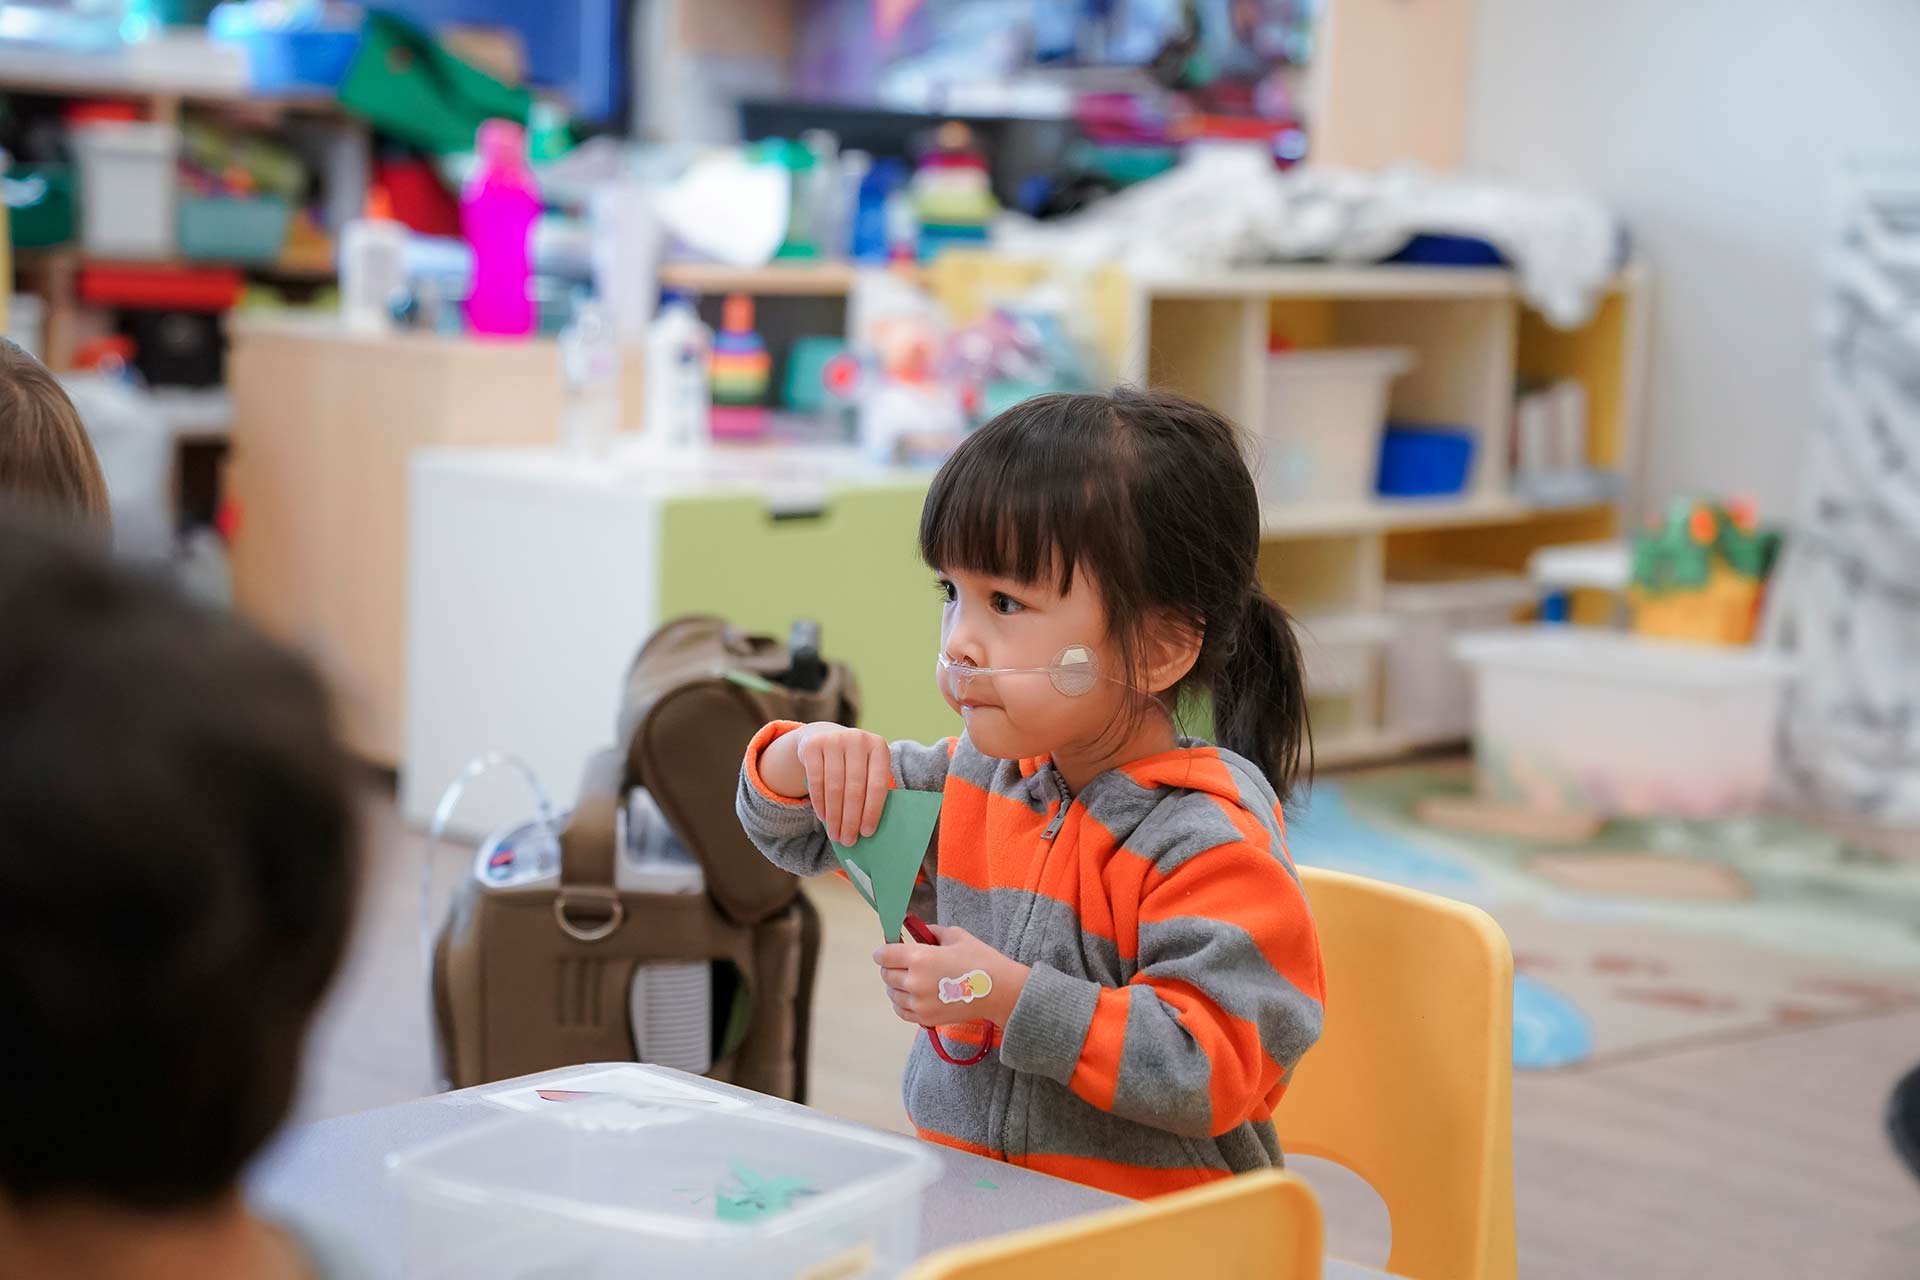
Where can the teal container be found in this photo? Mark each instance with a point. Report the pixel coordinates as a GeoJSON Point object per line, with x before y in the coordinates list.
{"type": "Point", "coordinates": [233, 229]}
{"type": "Point", "coordinates": [40, 205]}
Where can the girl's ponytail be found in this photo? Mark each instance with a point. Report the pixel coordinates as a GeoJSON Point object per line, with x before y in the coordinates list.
{"type": "Point", "coordinates": [1260, 694]}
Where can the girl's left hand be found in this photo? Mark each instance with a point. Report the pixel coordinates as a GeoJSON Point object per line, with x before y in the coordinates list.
{"type": "Point", "coordinates": [913, 973]}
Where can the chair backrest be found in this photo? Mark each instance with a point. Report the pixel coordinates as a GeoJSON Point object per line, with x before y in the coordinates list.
{"type": "Point", "coordinates": [1262, 1226]}
{"type": "Point", "coordinates": [1411, 1084]}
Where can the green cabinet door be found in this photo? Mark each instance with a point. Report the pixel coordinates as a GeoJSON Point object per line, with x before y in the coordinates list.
{"type": "Point", "coordinates": [855, 568]}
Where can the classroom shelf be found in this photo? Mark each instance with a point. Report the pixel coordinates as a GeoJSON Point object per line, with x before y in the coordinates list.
{"type": "Point", "coordinates": [1314, 280]}
{"type": "Point", "coordinates": [799, 280]}
{"type": "Point", "coordinates": [1315, 520]}
{"type": "Point", "coordinates": [48, 72]}
{"type": "Point", "coordinates": [1473, 339]}
{"type": "Point", "coordinates": [291, 272]}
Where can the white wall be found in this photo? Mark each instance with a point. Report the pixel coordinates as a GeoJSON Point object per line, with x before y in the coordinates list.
{"type": "Point", "coordinates": [1714, 127]}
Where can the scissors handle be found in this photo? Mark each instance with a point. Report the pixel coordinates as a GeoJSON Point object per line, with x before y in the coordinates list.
{"type": "Point", "coordinates": [917, 930]}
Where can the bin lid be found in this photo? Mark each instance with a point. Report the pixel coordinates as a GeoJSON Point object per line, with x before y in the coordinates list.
{"type": "Point", "coordinates": [1445, 595]}
{"type": "Point", "coordinates": [1622, 657]}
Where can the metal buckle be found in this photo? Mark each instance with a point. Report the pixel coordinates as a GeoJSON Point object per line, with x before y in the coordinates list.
{"type": "Point", "coordinates": [616, 915]}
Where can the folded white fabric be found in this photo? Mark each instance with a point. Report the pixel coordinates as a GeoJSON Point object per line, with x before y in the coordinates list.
{"type": "Point", "coordinates": [1227, 206]}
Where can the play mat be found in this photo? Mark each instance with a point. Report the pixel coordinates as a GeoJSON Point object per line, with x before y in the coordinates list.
{"type": "Point", "coordinates": [1651, 932]}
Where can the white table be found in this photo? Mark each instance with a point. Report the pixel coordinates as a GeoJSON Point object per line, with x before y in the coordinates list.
{"type": "Point", "coordinates": [331, 1176]}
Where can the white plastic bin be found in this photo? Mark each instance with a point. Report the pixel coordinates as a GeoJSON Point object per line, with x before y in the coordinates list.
{"type": "Point", "coordinates": [1325, 411]}
{"type": "Point", "coordinates": [1612, 723]}
{"type": "Point", "coordinates": [1429, 691]}
{"type": "Point", "coordinates": [27, 323]}
{"type": "Point", "coordinates": [609, 1189]}
{"type": "Point", "coordinates": [128, 185]}
{"type": "Point", "coordinates": [1341, 652]}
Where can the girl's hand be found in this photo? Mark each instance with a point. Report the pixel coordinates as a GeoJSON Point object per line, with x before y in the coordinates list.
{"type": "Point", "coordinates": [913, 973]}
{"type": "Point", "coordinates": [848, 772]}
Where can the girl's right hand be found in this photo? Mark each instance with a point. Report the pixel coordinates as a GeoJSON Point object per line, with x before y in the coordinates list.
{"type": "Point", "coordinates": [848, 774]}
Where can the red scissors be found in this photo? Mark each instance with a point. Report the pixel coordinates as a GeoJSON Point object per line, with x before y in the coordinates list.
{"type": "Point", "coordinates": [917, 930]}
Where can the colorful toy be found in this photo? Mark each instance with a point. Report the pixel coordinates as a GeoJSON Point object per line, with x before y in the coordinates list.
{"type": "Point", "coordinates": [896, 333]}
{"type": "Point", "coordinates": [951, 193]}
{"type": "Point", "coordinates": [741, 370]}
{"type": "Point", "coordinates": [1701, 574]}
{"type": "Point", "coordinates": [918, 386]}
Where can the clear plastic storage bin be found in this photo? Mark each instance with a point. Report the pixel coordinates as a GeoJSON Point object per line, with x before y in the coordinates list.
{"type": "Point", "coordinates": [1429, 690]}
{"type": "Point", "coordinates": [1325, 412]}
{"type": "Point", "coordinates": [600, 1189]}
{"type": "Point", "coordinates": [1341, 652]}
{"type": "Point", "coordinates": [1613, 723]}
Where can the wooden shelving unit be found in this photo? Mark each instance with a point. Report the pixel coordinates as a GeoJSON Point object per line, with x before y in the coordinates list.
{"type": "Point", "coordinates": [777, 280]}
{"type": "Point", "coordinates": [1473, 338]}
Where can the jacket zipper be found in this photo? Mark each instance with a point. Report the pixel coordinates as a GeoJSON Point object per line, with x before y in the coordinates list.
{"type": "Point", "coordinates": [1060, 816]}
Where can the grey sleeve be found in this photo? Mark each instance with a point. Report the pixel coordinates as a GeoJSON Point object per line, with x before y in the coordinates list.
{"type": "Point", "coordinates": [788, 834]}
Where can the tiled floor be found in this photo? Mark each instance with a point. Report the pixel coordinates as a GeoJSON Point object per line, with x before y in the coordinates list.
{"type": "Point", "coordinates": [1752, 1159]}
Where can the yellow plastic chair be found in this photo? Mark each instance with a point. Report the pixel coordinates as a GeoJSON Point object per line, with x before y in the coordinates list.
{"type": "Point", "coordinates": [1259, 1226]}
{"type": "Point", "coordinates": [1411, 1084]}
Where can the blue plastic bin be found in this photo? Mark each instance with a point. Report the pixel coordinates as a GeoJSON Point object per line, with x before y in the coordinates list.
{"type": "Point", "coordinates": [289, 61]}
{"type": "Point", "coordinates": [1421, 461]}
{"type": "Point", "coordinates": [1428, 250]}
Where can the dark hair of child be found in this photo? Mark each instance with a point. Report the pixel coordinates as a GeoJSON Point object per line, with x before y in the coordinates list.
{"type": "Point", "coordinates": [176, 883]}
{"type": "Point", "coordinates": [1150, 494]}
{"type": "Point", "coordinates": [45, 457]}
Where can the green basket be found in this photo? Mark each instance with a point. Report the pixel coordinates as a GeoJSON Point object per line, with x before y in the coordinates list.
{"type": "Point", "coordinates": [229, 229]}
{"type": "Point", "coordinates": [40, 205]}
{"type": "Point", "coordinates": [406, 84]}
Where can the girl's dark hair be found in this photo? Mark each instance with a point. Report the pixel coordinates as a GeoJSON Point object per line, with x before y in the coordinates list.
{"type": "Point", "coordinates": [1149, 493]}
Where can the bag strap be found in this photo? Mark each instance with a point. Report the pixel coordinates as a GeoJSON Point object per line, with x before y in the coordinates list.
{"type": "Point", "coordinates": [587, 907]}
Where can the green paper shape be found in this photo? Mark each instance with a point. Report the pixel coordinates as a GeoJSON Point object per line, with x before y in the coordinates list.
{"type": "Point", "coordinates": [884, 865]}
{"type": "Point", "coordinates": [986, 1184]}
{"type": "Point", "coordinates": [759, 1196]}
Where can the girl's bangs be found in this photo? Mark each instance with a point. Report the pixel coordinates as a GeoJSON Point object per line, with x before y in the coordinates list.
{"type": "Point", "coordinates": [1014, 502]}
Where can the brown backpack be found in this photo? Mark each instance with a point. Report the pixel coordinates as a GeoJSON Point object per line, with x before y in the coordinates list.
{"type": "Point", "coordinates": [533, 978]}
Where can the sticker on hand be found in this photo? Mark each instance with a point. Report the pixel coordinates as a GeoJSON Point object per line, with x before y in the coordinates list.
{"type": "Point", "coordinates": [966, 988]}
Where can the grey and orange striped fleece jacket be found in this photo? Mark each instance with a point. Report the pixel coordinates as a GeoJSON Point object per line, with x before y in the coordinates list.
{"type": "Point", "coordinates": [1176, 973]}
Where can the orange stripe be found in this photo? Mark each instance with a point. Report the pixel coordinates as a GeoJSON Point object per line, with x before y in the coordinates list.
{"type": "Point", "coordinates": [1130, 1180]}
{"type": "Point", "coordinates": [1097, 1075]}
{"type": "Point", "coordinates": [1242, 1074]}
{"type": "Point", "coordinates": [1121, 1179]}
{"type": "Point", "coordinates": [958, 1144]}
{"type": "Point", "coordinates": [986, 840]}
{"type": "Point", "coordinates": [757, 748]}
{"type": "Point", "coordinates": [1244, 887]}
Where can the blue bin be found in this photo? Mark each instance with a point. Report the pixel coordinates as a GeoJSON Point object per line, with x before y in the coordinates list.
{"type": "Point", "coordinates": [1421, 461]}
{"type": "Point", "coordinates": [292, 61]}
{"type": "Point", "coordinates": [1429, 250]}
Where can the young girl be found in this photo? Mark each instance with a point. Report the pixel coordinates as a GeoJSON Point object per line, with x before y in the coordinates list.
{"type": "Point", "coordinates": [1116, 903]}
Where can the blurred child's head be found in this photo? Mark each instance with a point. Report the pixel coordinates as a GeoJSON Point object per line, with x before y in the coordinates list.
{"type": "Point", "coordinates": [1127, 523]}
{"type": "Point", "coordinates": [46, 460]}
{"type": "Point", "coordinates": [177, 873]}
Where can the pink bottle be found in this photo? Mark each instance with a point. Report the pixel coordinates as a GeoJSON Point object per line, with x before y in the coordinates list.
{"type": "Point", "coordinates": [497, 210]}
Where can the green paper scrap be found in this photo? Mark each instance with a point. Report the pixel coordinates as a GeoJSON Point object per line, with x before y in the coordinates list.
{"type": "Point", "coordinates": [748, 680]}
{"type": "Point", "coordinates": [987, 1184]}
{"type": "Point", "coordinates": [758, 1196]}
{"type": "Point", "coordinates": [884, 865]}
